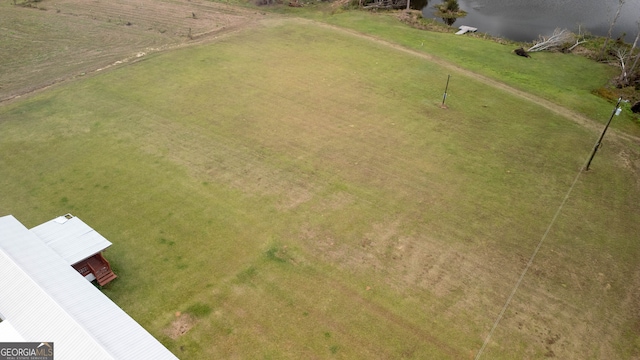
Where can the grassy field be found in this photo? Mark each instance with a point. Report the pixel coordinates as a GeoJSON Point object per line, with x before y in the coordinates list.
{"type": "Point", "coordinates": [293, 191]}
{"type": "Point", "coordinates": [58, 40]}
{"type": "Point", "coordinates": [568, 80]}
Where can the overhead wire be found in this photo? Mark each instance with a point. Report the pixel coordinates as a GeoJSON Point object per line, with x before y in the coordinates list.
{"type": "Point", "coordinates": [533, 256]}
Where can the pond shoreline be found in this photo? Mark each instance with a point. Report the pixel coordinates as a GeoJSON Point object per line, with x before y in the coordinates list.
{"type": "Point", "coordinates": [520, 20]}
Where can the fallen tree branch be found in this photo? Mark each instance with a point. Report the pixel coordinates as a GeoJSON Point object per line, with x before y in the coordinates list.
{"type": "Point", "coordinates": [576, 44]}
{"type": "Point", "coordinates": [558, 39]}
{"type": "Point", "coordinates": [578, 41]}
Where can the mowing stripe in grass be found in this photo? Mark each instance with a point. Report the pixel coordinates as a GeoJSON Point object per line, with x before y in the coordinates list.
{"type": "Point", "coordinates": [298, 193]}
{"type": "Point", "coordinates": [524, 272]}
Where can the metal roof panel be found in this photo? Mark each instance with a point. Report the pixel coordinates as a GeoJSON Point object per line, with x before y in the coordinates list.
{"type": "Point", "coordinates": [47, 300]}
{"type": "Point", "coordinates": [71, 238]}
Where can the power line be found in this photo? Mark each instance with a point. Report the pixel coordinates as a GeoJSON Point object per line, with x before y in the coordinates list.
{"type": "Point", "coordinates": [524, 272]}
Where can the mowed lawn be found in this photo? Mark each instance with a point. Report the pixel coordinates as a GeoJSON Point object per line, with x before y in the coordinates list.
{"type": "Point", "coordinates": [570, 80]}
{"type": "Point", "coordinates": [294, 192]}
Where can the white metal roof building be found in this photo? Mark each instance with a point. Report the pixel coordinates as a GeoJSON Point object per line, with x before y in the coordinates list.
{"type": "Point", "coordinates": [43, 299]}
{"type": "Point", "coordinates": [71, 238]}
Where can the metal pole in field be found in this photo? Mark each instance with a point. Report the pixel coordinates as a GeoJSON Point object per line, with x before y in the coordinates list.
{"type": "Point", "coordinates": [595, 148]}
{"type": "Point", "coordinates": [444, 97]}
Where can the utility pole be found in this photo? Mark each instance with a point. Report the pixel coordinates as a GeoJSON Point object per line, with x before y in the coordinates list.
{"type": "Point", "coordinates": [616, 111]}
{"type": "Point", "coordinates": [444, 97]}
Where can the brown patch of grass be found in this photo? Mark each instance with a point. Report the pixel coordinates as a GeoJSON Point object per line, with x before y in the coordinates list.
{"type": "Point", "coordinates": [607, 93]}
{"type": "Point", "coordinates": [180, 326]}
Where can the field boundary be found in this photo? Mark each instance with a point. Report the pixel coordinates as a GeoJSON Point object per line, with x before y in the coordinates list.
{"type": "Point", "coordinates": [126, 33]}
{"type": "Point", "coordinates": [137, 57]}
{"type": "Point", "coordinates": [577, 118]}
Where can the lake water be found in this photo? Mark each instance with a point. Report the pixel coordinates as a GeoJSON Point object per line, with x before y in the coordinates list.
{"type": "Point", "coordinates": [525, 20]}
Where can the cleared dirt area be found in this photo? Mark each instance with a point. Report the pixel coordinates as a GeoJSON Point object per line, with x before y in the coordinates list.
{"type": "Point", "coordinates": [180, 326]}
{"type": "Point", "coordinates": [56, 40]}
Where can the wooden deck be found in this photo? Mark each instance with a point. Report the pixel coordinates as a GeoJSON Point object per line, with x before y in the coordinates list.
{"type": "Point", "coordinates": [98, 266]}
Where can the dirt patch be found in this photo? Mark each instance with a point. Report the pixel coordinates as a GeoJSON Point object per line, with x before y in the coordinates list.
{"type": "Point", "coordinates": [420, 263]}
{"type": "Point", "coordinates": [180, 326]}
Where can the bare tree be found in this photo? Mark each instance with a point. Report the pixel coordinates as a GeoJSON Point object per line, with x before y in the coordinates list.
{"type": "Point", "coordinates": [635, 61]}
{"type": "Point", "coordinates": [611, 25]}
{"type": "Point", "coordinates": [558, 39]}
{"type": "Point", "coordinates": [622, 53]}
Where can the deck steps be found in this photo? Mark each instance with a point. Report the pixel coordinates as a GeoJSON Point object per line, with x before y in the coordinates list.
{"type": "Point", "coordinates": [105, 277]}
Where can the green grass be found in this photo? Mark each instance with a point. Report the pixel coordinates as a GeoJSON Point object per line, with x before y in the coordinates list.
{"type": "Point", "coordinates": [288, 182]}
{"type": "Point", "coordinates": [568, 80]}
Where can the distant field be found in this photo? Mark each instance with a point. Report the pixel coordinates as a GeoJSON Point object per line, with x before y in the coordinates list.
{"type": "Point", "coordinates": [294, 191]}
{"type": "Point", "coordinates": [57, 40]}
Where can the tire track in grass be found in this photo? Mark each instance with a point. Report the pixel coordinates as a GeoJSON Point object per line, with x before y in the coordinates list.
{"type": "Point", "coordinates": [579, 119]}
